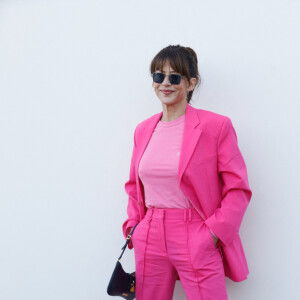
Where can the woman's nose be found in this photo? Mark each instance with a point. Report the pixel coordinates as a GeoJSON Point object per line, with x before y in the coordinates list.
{"type": "Point", "coordinates": [166, 80]}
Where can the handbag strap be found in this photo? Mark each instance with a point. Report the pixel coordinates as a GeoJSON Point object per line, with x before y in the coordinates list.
{"type": "Point", "coordinates": [127, 241]}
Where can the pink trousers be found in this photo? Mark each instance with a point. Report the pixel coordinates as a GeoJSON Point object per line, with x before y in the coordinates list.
{"type": "Point", "coordinates": [174, 240]}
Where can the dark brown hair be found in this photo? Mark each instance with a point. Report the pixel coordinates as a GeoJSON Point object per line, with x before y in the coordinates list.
{"type": "Point", "coordinates": [182, 59]}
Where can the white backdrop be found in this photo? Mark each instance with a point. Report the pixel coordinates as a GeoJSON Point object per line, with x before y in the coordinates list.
{"type": "Point", "coordinates": [74, 83]}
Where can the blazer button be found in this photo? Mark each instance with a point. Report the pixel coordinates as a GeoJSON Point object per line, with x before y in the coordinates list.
{"type": "Point", "coordinates": [139, 203]}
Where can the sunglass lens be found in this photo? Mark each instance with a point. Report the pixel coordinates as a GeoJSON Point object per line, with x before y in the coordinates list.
{"type": "Point", "coordinates": [174, 79]}
{"type": "Point", "coordinates": [158, 77]}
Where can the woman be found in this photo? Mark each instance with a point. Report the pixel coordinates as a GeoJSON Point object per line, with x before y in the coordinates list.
{"type": "Point", "coordinates": [188, 190]}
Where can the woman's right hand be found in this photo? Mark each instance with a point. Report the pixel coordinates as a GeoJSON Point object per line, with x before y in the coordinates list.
{"type": "Point", "coordinates": [128, 232]}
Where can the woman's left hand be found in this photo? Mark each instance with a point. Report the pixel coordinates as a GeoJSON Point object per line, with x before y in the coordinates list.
{"type": "Point", "coordinates": [215, 239]}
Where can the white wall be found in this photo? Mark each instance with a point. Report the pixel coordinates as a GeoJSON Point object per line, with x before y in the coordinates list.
{"type": "Point", "coordinates": [74, 83]}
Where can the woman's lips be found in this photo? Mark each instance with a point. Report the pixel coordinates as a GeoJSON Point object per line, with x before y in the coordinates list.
{"type": "Point", "coordinates": [167, 92]}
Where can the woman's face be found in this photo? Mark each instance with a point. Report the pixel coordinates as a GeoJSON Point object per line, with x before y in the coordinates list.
{"type": "Point", "coordinates": [177, 93]}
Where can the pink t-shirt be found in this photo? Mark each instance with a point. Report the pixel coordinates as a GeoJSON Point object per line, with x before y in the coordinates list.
{"type": "Point", "coordinates": [158, 168]}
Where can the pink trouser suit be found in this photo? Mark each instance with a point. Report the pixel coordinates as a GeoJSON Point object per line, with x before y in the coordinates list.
{"type": "Point", "coordinates": [188, 181]}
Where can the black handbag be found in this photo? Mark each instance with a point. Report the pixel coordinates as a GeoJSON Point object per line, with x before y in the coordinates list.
{"type": "Point", "coordinates": [122, 284]}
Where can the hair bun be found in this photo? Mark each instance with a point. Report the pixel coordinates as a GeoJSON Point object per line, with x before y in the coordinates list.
{"type": "Point", "coordinates": [192, 52]}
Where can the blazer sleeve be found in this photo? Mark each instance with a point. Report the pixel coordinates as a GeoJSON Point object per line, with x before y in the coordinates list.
{"type": "Point", "coordinates": [236, 193]}
{"type": "Point", "coordinates": [131, 190]}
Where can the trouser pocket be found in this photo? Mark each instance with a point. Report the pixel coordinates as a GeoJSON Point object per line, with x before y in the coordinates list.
{"type": "Point", "coordinates": [201, 244]}
{"type": "Point", "coordinates": [140, 229]}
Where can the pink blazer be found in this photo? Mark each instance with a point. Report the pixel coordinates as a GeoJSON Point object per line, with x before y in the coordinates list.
{"type": "Point", "coordinates": [213, 176]}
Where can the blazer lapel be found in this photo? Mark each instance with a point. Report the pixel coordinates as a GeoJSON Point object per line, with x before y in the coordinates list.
{"type": "Point", "coordinates": [191, 135]}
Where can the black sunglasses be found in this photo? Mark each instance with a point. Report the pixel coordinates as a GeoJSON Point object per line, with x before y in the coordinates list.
{"type": "Point", "coordinates": [160, 77]}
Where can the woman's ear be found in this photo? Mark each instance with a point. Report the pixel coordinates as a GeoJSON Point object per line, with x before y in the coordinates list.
{"type": "Point", "coordinates": [192, 84]}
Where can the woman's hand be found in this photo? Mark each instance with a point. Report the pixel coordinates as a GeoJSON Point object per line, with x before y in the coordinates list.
{"type": "Point", "coordinates": [128, 232]}
{"type": "Point", "coordinates": [215, 239]}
